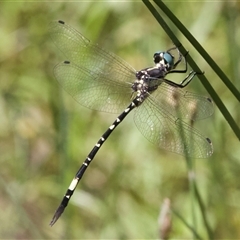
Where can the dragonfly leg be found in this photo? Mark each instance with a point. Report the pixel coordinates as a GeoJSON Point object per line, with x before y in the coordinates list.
{"type": "Point", "coordinates": [180, 59]}
{"type": "Point", "coordinates": [185, 81]}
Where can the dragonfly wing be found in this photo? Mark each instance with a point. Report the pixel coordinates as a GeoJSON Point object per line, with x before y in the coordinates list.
{"type": "Point", "coordinates": [181, 103]}
{"type": "Point", "coordinates": [82, 52]}
{"type": "Point", "coordinates": [167, 131]}
{"type": "Point", "coordinates": [95, 91]}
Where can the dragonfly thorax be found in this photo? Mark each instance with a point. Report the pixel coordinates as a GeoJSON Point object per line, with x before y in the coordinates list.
{"type": "Point", "coordinates": [147, 80]}
{"type": "Point", "coordinates": [140, 86]}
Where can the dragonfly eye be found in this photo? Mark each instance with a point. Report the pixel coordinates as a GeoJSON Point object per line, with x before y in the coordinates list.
{"type": "Point", "coordinates": [168, 59]}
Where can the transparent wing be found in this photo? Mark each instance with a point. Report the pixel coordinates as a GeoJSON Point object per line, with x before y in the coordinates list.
{"type": "Point", "coordinates": [181, 103]}
{"type": "Point", "coordinates": [95, 91]}
{"type": "Point", "coordinates": [82, 52]}
{"type": "Point", "coordinates": [164, 127]}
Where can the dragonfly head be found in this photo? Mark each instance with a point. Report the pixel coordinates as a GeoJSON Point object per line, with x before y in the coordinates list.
{"type": "Point", "coordinates": [165, 58]}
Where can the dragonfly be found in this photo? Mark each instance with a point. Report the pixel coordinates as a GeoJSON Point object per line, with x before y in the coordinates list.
{"type": "Point", "coordinates": [163, 112]}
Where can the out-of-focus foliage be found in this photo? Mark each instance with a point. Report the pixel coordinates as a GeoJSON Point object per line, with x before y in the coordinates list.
{"type": "Point", "coordinates": [45, 135]}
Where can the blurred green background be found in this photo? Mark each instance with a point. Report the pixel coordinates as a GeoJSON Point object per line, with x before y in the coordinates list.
{"type": "Point", "coordinates": [45, 135]}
